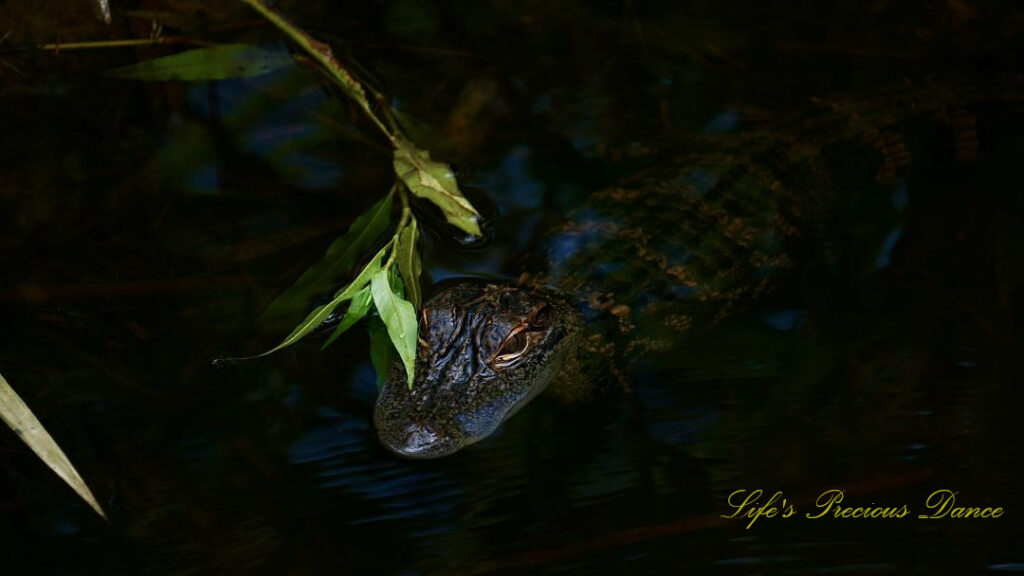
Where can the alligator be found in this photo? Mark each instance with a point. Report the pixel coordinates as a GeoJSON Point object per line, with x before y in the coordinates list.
{"type": "Point", "coordinates": [671, 251]}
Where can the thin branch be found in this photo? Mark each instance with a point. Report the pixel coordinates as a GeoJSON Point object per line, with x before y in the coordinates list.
{"type": "Point", "coordinates": [325, 57]}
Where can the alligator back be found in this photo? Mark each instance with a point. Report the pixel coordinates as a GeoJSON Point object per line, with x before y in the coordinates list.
{"type": "Point", "coordinates": [692, 241]}
{"type": "Point", "coordinates": [664, 255]}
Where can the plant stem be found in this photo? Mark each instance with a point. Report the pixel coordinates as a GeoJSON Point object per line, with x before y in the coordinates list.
{"type": "Point", "coordinates": [403, 221]}
{"type": "Point", "coordinates": [64, 46]}
{"type": "Point", "coordinates": [322, 54]}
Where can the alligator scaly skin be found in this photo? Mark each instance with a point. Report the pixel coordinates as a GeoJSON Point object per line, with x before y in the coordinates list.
{"type": "Point", "coordinates": [671, 251]}
{"type": "Point", "coordinates": [685, 244]}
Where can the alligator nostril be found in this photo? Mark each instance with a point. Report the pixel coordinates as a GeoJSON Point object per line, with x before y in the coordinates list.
{"type": "Point", "coordinates": [419, 437]}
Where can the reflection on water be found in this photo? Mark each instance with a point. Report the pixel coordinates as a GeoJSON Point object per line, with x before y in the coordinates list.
{"type": "Point", "coordinates": [145, 227]}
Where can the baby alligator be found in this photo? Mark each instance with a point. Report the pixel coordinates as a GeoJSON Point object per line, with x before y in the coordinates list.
{"type": "Point", "coordinates": [673, 250]}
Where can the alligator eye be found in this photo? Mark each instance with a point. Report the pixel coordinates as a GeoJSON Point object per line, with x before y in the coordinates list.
{"type": "Point", "coordinates": [512, 348]}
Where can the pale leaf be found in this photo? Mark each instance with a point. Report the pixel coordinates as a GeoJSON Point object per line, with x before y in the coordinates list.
{"type": "Point", "coordinates": [19, 417]}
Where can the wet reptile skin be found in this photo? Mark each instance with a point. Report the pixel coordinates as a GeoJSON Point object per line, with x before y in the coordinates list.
{"type": "Point", "coordinates": [468, 376]}
{"type": "Point", "coordinates": [672, 250]}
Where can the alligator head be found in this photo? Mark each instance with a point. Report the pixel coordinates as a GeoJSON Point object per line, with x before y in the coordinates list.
{"type": "Point", "coordinates": [485, 350]}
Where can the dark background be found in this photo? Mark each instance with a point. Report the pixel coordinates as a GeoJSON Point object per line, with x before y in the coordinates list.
{"type": "Point", "coordinates": [143, 227]}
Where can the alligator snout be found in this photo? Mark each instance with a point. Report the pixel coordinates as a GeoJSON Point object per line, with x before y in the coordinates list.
{"type": "Point", "coordinates": [486, 350]}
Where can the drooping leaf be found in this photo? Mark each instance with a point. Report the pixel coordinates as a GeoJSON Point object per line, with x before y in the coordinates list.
{"type": "Point", "coordinates": [435, 181]}
{"type": "Point", "coordinates": [382, 353]}
{"type": "Point", "coordinates": [322, 312]}
{"type": "Point", "coordinates": [19, 417]}
{"type": "Point", "coordinates": [338, 259]}
{"type": "Point", "coordinates": [399, 316]}
{"type": "Point", "coordinates": [357, 308]}
{"type": "Point", "coordinates": [204, 64]}
{"type": "Point", "coordinates": [409, 265]}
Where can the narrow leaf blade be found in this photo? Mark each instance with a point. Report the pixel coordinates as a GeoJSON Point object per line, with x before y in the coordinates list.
{"type": "Point", "coordinates": [400, 318]}
{"type": "Point", "coordinates": [204, 64]}
{"type": "Point", "coordinates": [357, 308]}
{"type": "Point", "coordinates": [409, 265]}
{"type": "Point", "coordinates": [19, 417]}
{"type": "Point", "coordinates": [339, 257]}
{"type": "Point", "coordinates": [435, 181]}
{"type": "Point", "coordinates": [320, 313]}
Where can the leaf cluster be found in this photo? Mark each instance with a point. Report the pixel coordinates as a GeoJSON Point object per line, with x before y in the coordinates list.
{"type": "Point", "coordinates": [389, 282]}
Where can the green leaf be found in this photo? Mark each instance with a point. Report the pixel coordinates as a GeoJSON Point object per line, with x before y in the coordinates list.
{"type": "Point", "coordinates": [409, 265]}
{"type": "Point", "coordinates": [382, 353]}
{"type": "Point", "coordinates": [435, 181]}
{"type": "Point", "coordinates": [339, 258]}
{"type": "Point", "coordinates": [396, 283]}
{"type": "Point", "coordinates": [213, 63]}
{"type": "Point", "coordinates": [357, 308]}
{"type": "Point", "coordinates": [399, 316]}
{"type": "Point", "coordinates": [19, 417]}
{"type": "Point", "coordinates": [322, 312]}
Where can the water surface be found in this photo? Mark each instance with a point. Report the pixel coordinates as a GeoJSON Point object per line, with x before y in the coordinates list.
{"type": "Point", "coordinates": [144, 227]}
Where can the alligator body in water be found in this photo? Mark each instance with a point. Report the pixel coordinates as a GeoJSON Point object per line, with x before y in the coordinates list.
{"type": "Point", "coordinates": [671, 251]}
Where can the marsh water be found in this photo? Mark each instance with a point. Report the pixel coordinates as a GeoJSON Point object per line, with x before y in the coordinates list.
{"type": "Point", "coordinates": [145, 226]}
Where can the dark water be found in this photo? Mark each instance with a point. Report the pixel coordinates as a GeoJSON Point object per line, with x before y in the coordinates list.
{"type": "Point", "coordinates": [144, 227]}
